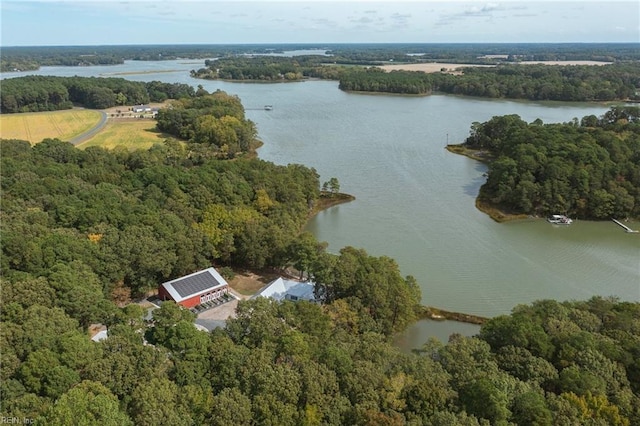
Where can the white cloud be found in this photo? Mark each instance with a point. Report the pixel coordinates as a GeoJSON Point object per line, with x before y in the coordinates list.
{"type": "Point", "coordinates": [266, 21]}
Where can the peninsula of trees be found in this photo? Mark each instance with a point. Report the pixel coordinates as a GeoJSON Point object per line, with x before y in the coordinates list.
{"type": "Point", "coordinates": [215, 121]}
{"type": "Point", "coordinates": [532, 82]}
{"type": "Point", "coordinates": [589, 168]}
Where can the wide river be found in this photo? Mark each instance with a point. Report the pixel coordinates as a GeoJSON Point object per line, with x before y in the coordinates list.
{"type": "Point", "coordinates": [415, 200]}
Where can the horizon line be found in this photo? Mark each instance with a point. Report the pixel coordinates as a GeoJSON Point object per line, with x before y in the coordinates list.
{"type": "Point", "coordinates": [324, 43]}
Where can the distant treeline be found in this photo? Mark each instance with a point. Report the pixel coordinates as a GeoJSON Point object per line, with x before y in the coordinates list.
{"type": "Point", "coordinates": [589, 169]}
{"type": "Point", "coordinates": [32, 57]}
{"type": "Point", "coordinates": [579, 83]}
{"type": "Point", "coordinates": [533, 82]}
{"type": "Point", "coordinates": [486, 52]}
{"type": "Point", "coordinates": [618, 81]}
{"type": "Point", "coordinates": [46, 93]}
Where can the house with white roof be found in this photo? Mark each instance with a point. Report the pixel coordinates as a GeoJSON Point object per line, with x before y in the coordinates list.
{"type": "Point", "coordinates": [283, 289]}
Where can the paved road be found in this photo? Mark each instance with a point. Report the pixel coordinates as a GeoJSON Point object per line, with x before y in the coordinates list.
{"type": "Point", "coordinates": [91, 132]}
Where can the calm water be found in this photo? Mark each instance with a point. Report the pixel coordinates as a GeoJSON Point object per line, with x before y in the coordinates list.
{"type": "Point", "coordinates": [415, 200]}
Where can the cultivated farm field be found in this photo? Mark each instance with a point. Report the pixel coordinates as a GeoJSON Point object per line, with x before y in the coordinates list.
{"type": "Point", "coordinates": [34, 127]}
{"type": "Point", "coordinates": [131, 134]}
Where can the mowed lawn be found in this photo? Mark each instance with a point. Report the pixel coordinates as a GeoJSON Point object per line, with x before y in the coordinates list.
{"type": "Point", "coordinates": [131, 134]}
{"type": "Point", "coordinates": [36, 126]}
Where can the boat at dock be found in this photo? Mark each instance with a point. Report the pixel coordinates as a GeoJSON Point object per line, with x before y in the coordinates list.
{"type": "Point", "coordinates": [559, 219]}
{"type": "Point", "coordinates": [268, 107]}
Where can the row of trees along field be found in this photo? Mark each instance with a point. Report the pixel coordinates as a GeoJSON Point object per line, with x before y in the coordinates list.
{"type": "Point", "coordinates": [618, 81]}
{"type": "Point", "coordinates": [47, 93]}
{"type": "Point", "coordinates": [590, 168]}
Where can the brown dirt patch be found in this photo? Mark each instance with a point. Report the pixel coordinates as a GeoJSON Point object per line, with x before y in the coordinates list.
{"type": "Point", "coordinates": [247, 283]}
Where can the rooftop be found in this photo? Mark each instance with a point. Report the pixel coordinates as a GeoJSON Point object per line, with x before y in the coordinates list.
{"type": "Point", "coordinates": [281, 289]}
{"type": "Point", "coordinates": [194, 284]}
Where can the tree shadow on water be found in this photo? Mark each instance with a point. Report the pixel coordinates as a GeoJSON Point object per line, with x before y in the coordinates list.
{"type": "Point", "coordinates": [472, 188]}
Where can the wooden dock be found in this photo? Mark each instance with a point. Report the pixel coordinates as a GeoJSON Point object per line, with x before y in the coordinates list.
{"type": "Point", "coordinates": [625, 227]}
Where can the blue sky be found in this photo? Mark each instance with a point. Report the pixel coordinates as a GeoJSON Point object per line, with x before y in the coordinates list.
{"type": "Point", "coordinates": [92, 22]}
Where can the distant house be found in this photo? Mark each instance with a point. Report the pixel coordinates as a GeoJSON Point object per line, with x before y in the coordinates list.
{"type": "Point", "coordinates": [142, 108]}
{"type": "Point", "coordinates": [282, 289]}
{"type": "Point", "coordinates": [194, 289]}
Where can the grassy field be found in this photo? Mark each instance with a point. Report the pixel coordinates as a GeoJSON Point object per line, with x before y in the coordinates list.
{"type": "Point", "coordinates": [34, 127]}
{"type": "Point", "coordinates": [131, 134]}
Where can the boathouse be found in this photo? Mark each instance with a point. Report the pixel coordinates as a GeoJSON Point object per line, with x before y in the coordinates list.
{"type": "Point", "coordinates": [194, 289]}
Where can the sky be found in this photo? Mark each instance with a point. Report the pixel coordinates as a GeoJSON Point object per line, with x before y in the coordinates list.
{"type": "Point", "coordinates": [94, 22]}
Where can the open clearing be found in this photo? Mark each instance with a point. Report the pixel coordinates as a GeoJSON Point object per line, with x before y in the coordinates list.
{"type": "Point", "coordinates": [248, 283]}
{"type": "Point", "coordinates": [132, 134]}
{"type": "Point", "coordinates": [36, 126]}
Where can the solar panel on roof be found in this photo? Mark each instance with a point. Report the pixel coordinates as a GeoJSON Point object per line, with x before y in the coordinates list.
{"type": "Point", "coordinates": [194, 284]}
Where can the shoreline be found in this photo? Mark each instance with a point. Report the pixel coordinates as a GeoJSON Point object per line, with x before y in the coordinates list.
{"type": "Point", "coordinates": [328, 200]}
{"type": "Point", "coordinates": [494, 212]}
{"type": "Point", "coordinates": [437, 314]}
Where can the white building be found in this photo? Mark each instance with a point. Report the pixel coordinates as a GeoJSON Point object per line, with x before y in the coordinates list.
{"type": "Point", "coordinates": [282, 289]}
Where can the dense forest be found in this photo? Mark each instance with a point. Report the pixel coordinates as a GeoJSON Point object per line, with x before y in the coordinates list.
{"type": "Point", "coordinates": [215, 120]}
{"type": "Point", "coordinates": [47, 93]}
{"type": "Point", "coordinates": [273, 68]}
{"type": "Point", "coordinates": [531, 82]}
{"type": "Point", "coordinates": [26, 58]}
{"type": "Point", "coordinates": [377, 80]}
{"type": "Point", "coordinates": [138, 218]}
{"type": "Point", "coordinates": [84, 229]}
{"type": "Point", "coordinates": [264, 68]}
{"type": "Point", "coordinates": [588, 168]}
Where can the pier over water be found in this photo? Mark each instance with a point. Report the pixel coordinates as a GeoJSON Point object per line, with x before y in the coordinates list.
{"type": "Point", "coordinates": [626, 228]}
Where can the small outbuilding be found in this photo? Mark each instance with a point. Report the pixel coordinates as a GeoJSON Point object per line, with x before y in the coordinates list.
{"type": "Point", "coordinates": [194, 289]}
